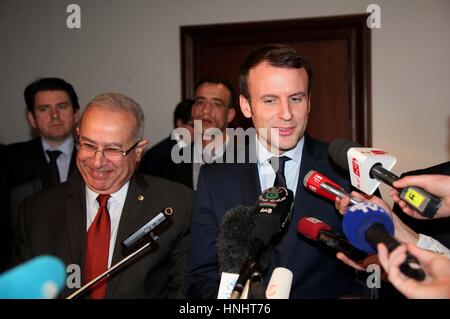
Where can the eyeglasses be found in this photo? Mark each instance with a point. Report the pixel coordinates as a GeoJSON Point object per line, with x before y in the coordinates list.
{"type": "Point", "coordinates": [110, 152]}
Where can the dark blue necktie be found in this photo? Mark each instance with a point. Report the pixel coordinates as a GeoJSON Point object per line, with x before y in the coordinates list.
{"type": "Point", "coordinates": [54, 172]}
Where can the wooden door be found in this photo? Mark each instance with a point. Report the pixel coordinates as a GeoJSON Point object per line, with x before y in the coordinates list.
{"type": "Point", "coordinates": [337, 47]}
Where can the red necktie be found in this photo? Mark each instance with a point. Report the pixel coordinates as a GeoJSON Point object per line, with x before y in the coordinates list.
{"type": "Point", "coordinates": [97, 247]}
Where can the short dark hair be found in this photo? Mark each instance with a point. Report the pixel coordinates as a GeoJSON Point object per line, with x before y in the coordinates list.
{"type": "Point", "coordinates": [49, 84]}
{"type": "Point", "coordinates": [218, 80]}
{"type": "Point", "coordinates": [183, 111]}
{"type": "Point", "coordinates": [277, 55]}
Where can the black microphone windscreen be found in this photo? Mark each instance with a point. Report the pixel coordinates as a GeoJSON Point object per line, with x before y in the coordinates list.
{"type": "Point", "coordinates": [233, 240]}
{"type": "Point", "coordinates": [338, 151]}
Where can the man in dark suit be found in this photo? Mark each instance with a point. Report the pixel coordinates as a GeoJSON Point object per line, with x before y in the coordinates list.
{"type": "Point", "coordinates": [160, 153]}
{"type": "Point", "coordinates": [85, 220]}
{"type": "Point", "coordinates": [276, 85]}
{"type": "Point", "coordinates": [212, 111]}
{"type": "Point", "coordinates": [52, 112]}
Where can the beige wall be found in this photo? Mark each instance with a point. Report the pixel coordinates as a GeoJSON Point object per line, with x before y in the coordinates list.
{"type": "Point", "coordinates": [133, 47]}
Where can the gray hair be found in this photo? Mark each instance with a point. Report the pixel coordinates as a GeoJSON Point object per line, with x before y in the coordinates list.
{"type": "Point", "coordinates": [121, 103]}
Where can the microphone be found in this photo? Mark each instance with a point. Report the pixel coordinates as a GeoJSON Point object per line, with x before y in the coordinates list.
{"type": "Point", "coordinates": [147, 228]}
{"type": "Point", "coordinates": [280, 284]}
{"type": "Point", "coordinates": [137, 236]}
{"type": "Point", "coordinates": [324, 187]}
{"type": "Point", "coordinates": [366, 224]}
{"type": "Point", "coordinates": [233, 240]}
{"type": "Point", "coordinates": [321, 232]}
{"type": "Point", "coordinates": [272, 214]}
{"type": "Point", "coordinates": [42, 277]}
{"type": "Point", "coordinates": [368, 166]}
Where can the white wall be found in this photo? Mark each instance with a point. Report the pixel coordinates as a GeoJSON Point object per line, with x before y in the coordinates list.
{"type": "Point", "coordinates": [133, 47]}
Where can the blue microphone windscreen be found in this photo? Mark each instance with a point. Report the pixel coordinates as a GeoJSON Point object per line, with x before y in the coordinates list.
{"type": "Point", "coordinates": [358, 218]}
{"type": "Point", "coordinates": [40, 278]}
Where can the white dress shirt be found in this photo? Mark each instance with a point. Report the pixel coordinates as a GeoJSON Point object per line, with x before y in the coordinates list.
{"type": "Point", "coordinates": [63, 160]}
{"type": "Point", "coordinates": [291, 168]}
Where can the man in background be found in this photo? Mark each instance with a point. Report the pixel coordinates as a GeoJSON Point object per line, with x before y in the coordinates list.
{"type": "Point", "coordinates": [48, 159]}
{"type": "Point", "coordinates": [212, 111]}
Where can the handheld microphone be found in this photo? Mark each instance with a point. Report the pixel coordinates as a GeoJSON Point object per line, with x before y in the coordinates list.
{"type": "Point", "coordinates": [321, 185]}
{"type": "Point", "coordinates": [39, 278]}
{"type": "Point", "coordinates": [280, 284]}
{"type": "Point", "coordinates": [321, 232]}
{"type": "Point", "coordinates": [368, 166]}
{"type": "Point", "coordinates": [366, 224]}
{"type": "Point", "coordinates": [272, 214]}
{"type": "Point", "coordinates": [147, 228]}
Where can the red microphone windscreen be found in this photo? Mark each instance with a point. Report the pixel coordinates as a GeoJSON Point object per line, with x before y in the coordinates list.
{"type": "Point", "coordinates": [310, 227]}
{"type": "Point", "coordinates": [312, 182]}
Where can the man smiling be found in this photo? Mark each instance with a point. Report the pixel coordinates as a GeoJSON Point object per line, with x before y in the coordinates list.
{"type": "Point", "coordinates": [84, 221]}
{"type": "Point", "coordinates": [275, 86]}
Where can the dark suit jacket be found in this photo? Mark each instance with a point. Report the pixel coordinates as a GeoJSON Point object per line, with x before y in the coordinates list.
{"type": "Point", "coordinates": [27, 172]}
{"type": "Point", "coordinates": [177, 172]}
{"type": "Point", "coordinates": [221, 187]}
{"type": "Point", "coordinates": [53, 222]}
{"type": "Point", "coordinates": [155, 154]}
{"type": "Point", "coordinates": [436, 228]}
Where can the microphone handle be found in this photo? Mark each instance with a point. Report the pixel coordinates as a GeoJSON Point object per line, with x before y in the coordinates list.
{"type": "Point", "coordinates": [106, 273]}
{"type": "Point", "coordinates": [339, 192]}
{"type": "Point", "coordinates": [338, 243]}
{"type": "Point", "coordinates": [249, 267]}
{"type": "Point", "coordinates": [410, 267]}
{"type": "Point", "coordinates": [257, 289]}
{"type": "Point", "coordinates": [417, 198]}
{"type": "Point", "coordinates": [381, 174]}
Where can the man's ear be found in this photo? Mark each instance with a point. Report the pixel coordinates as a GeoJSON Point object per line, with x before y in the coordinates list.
{"type": "Point", "coordinates": [31, 120]}
{"type": "Point", "coordinates": [309, 103]}
{"type": "Point", "coordinates": [245, 106]}
{"type": "Point", "coordinates": [140, 149]}
{"type": "Point", "coordinates": [77, 116]}
{"type": "Point", "coordinates": [231, 114]}
{"type": "Point", "coordinates": [178, 123]}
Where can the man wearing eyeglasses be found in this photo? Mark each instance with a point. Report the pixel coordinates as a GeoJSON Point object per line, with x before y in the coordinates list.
{"type": "Point", "coordinates": [84, 221]}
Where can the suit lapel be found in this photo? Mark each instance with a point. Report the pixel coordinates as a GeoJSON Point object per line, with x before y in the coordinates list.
{"type": "Point", "coordinates": [40, 162]}
{"type": "Point", "coordinates": [303, 204]}
{"type": "Point", "coordinates": [248, 179]}
{"type": "Point", "coordinates": [136, 212]}
{"type": "Point", "coordinates": [76, 223]}
{"type": "Point", "coordinates": [73, 171]}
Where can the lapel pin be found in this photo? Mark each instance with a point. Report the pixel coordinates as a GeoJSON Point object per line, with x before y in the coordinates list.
{"type": "Point", "coordinates": [141, 198]}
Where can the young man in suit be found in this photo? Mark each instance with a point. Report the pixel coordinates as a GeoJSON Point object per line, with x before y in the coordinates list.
{"type": "Point", "coordinates": [48, 159]}
{"type": "Point", "coordinates": [85, 220]}
{"type": "Point", "coordinates": [212, 111]}
{"type": "Point", "coordinates": [276, 88]}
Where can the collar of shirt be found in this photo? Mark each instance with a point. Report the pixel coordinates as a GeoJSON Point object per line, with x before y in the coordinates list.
{"type": "Point", "coordinates": [292, 168]}
{"type": "Point", "coordinates": [63, 160]}
{"type": "Point", "coordinates": [66, 147]}
{"type": "Point", "coordinates": [115, 207]}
